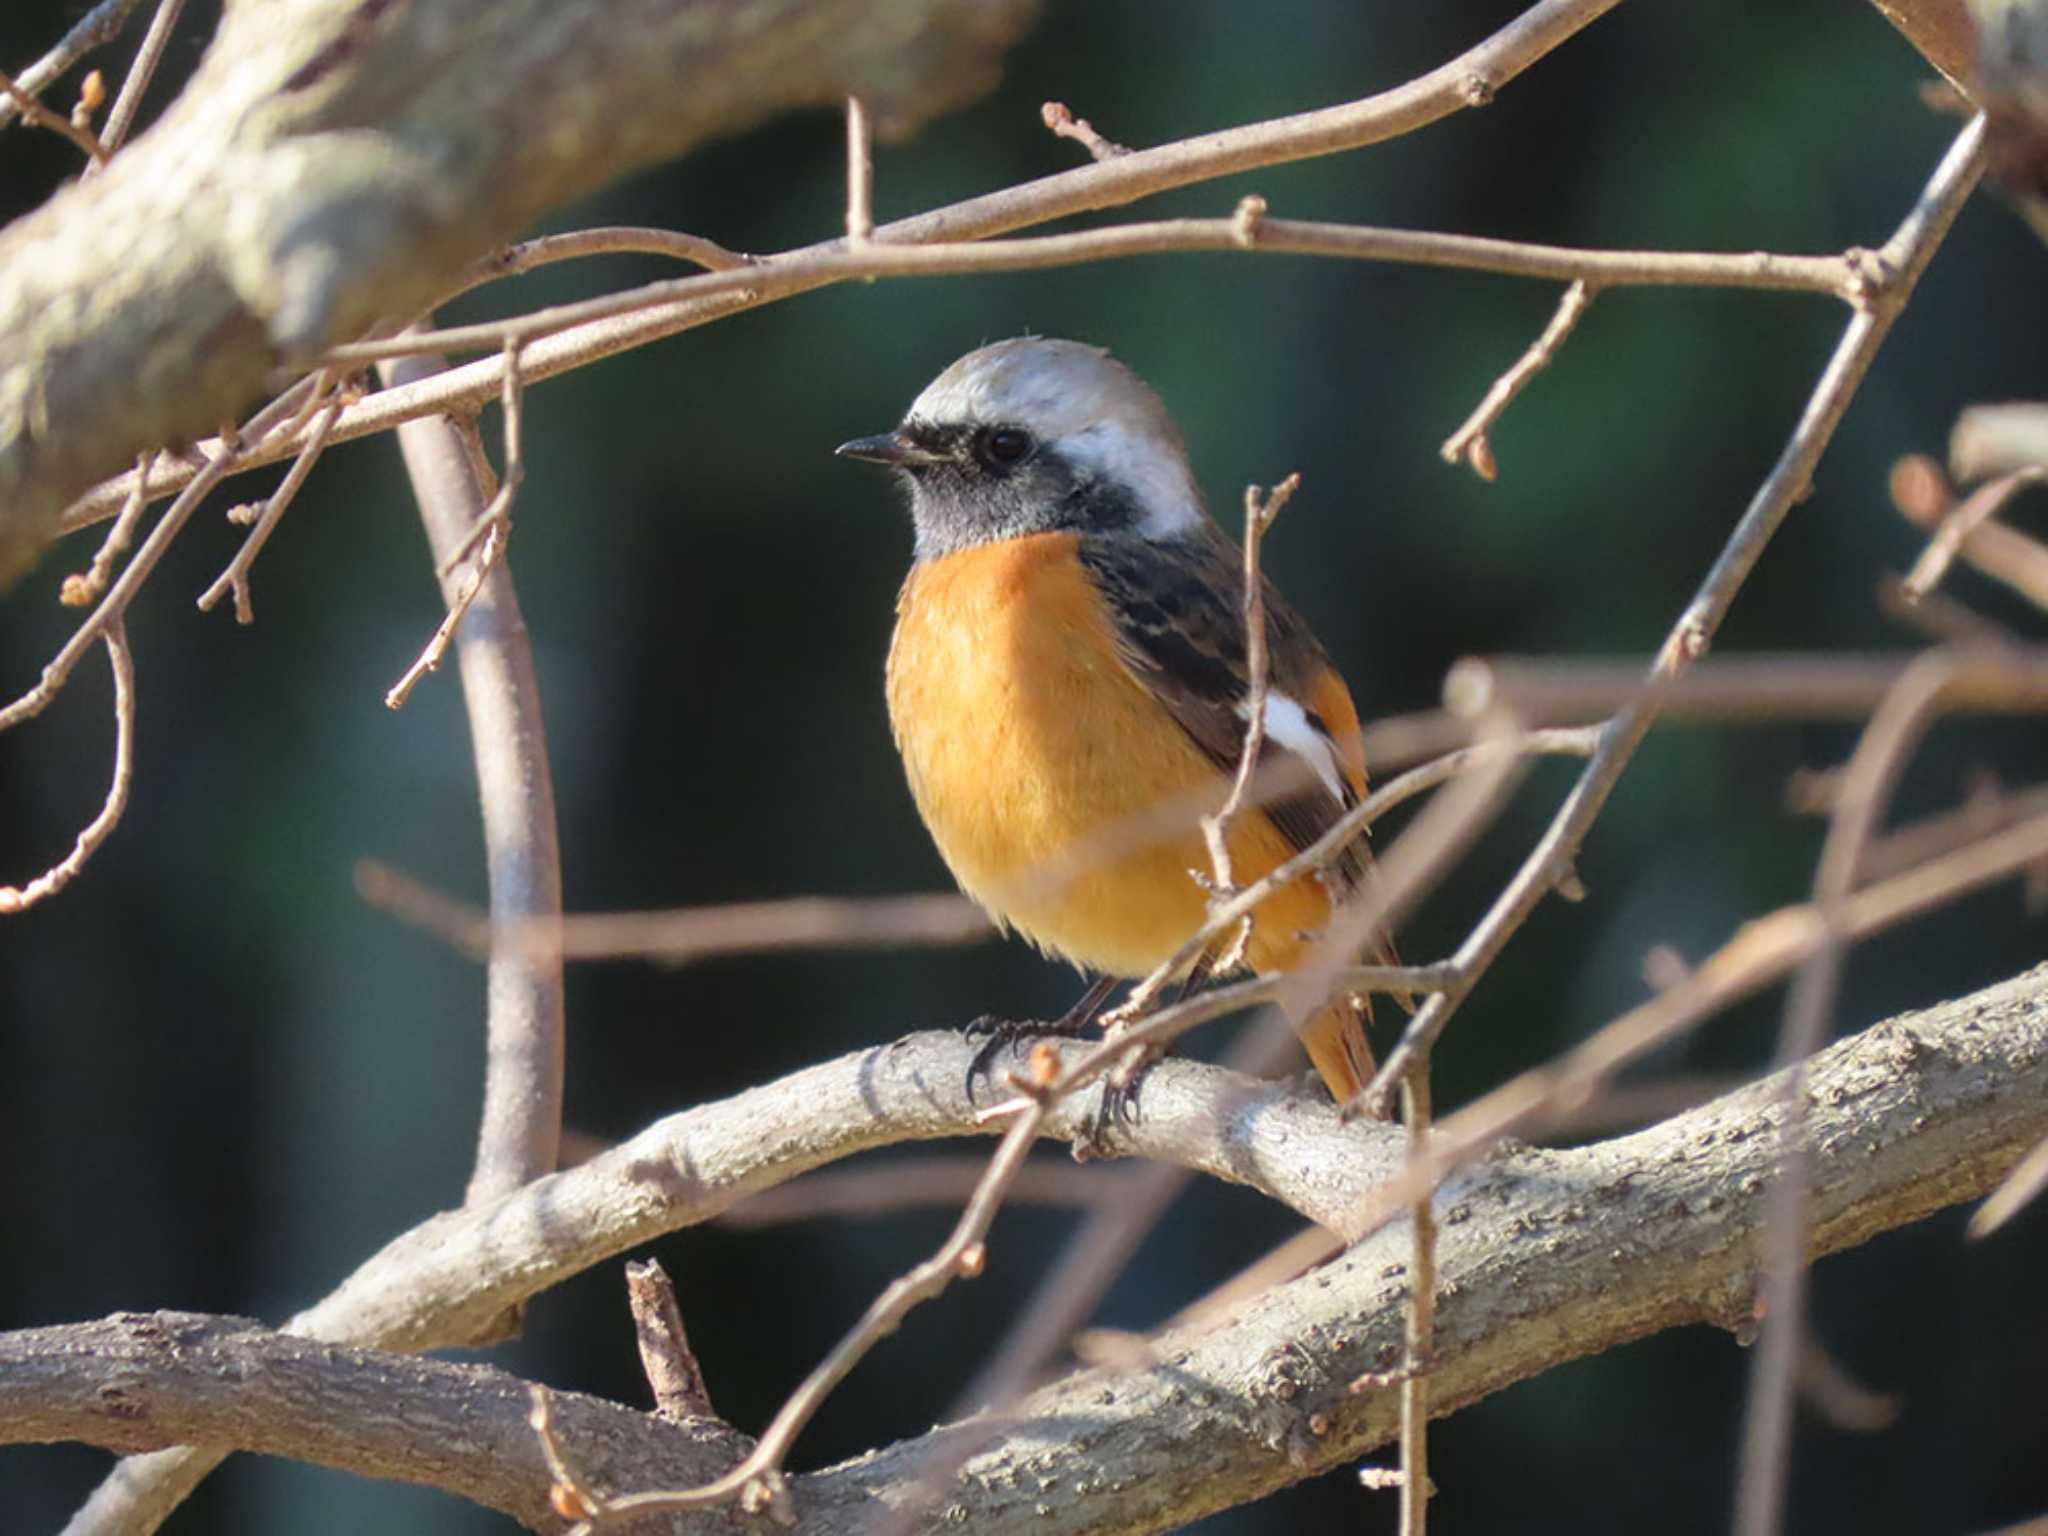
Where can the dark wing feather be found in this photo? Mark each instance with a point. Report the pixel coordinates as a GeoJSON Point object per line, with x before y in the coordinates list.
{"type": "Point", "coordinates": [1179, 611]}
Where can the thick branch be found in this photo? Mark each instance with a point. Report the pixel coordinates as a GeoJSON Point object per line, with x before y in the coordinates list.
{"type": "Point", "coordinates": [332, 163]}
{"type": "Point", "coordinates": [1543, 1257]}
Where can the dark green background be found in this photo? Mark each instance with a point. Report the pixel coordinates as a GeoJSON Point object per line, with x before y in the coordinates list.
{"type": "Point", "coordinates": [223, 1081]}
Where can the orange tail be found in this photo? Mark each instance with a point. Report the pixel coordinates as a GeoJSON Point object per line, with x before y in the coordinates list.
{"type": "Point", "coordinates": [1336, 1044]}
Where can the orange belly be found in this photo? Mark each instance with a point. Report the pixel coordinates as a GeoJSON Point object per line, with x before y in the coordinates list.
{"type": "Point", "coordinates": [1028, 744]}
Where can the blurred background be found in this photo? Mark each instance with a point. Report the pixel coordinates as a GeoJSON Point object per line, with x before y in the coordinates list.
{"type": "Point", "coordinates": [223, 1081]}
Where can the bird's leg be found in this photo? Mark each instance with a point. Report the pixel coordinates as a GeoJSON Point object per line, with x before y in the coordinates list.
{"type": "Point", "coordinates": [1120, 1088]}
{"type": "Point", "coordinates": [1076, 1021]}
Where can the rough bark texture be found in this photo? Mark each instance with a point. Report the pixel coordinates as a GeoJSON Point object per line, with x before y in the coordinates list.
{"type": "Point", "coordinates": [1544, 1256]}
{"type": "Point", "coordinates": [334, 161]}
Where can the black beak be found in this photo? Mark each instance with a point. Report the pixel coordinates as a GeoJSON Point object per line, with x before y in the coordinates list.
{"type": "Point", "coordinates": [892, 449]}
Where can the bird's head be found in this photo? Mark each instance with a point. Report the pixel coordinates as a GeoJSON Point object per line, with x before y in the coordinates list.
{"type": "Point", "coordinates": [1037, 436]}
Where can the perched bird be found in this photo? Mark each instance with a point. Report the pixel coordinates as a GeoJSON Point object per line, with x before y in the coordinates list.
{"type": "Point", "coordinates": [1070, 651]}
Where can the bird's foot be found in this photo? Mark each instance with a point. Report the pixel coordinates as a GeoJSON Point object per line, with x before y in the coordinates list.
{"type": "Point", "coordinates": [1071, 1025]}
{"type": "Point", "coordinates": [998, 1035]}
{"type": "Point", "coordinates": [1120, 1088]}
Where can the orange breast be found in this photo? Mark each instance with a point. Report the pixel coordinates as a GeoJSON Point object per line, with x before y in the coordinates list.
{"type": "Point", "coordinates": [1028, 743]}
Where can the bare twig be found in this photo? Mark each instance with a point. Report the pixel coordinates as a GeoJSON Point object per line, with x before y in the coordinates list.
{"type": "Point", "coordinates": [1419, 1317]}
{"type": "Point", "coordinates": [1839, 1398]}
{"type": "Point", "coordinates": [571, 336]}
{"type": "Point", "coordinates": [236, 577]}
{"type": "Point", "coordinates": [1901, 261]}
{"type": "Point", "coordinates": [1057, 116]}
{"type": "Point", "coordinates": [78, 590]}
{"type": "Point", "coordinates": [100, 25]}
{"type": "Point", "coordinates": [2018, 1191]}
{"type": "Point", "coordinates": [492, 528]}
{"type": "Point", "coordinates": [1939, 618]}
{"type": "Point", "coordinates": [140, 73]}
{"type": "Point", "coordinates": [1259, 512]}
{"type": "Point", "coordinates": [1096, 1255]}
{"type": "Point", "coordinates": [1469, 442]}
{"type": "Point", "coordinates": [1975, 510]}
{"type": "Point", "coordinates": [884, 256]}
{"type": "Point", "coordinates": [665, 1354]}
{"type": "Point", "coordinates": [757, 1481]}
{"type": "Point", "coordinates": [525, 256]}
{"type": "Point", "coordinates": [882, 1187]}
{"type": "Point", "coordinates": [34, 111]}
{"type": "Point", "coordinates": [1992, 440]}
{"type": "Point", "coordinates": [115, 603]}
{"type": "Point", "coordinates": [1746, 689]}
{"type": "Point", "coordinates": [1470, 79]}
{"type": "Point", "coordinates": [681, 935]}
{"type": "Point", "coordinates": [569, 1497]}
{"type": "Point", "coordinates": [61, 874]}
{"type": "Point", "coordinates": [519, 1128]}
{"type": "Point", "coordinates": [860, 175]}
{"type": "Point", "coordinates": [1762, 951]}
{"type": "Point", "coordinates": [1873, 771]}
{"type": "Point", "coordinates": [1921, 493]}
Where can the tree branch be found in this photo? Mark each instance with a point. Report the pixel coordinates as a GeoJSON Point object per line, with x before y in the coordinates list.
{"type": "Point", "coordinates": [1543, 1257]}
{"type": "Point", "coordinates": [93, 431]}
{"type": "Point", "coordinates": [329, 164]}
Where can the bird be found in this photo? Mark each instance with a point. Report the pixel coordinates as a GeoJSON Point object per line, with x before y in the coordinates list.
{"type": "Point", "coordinates": [1070, 650]}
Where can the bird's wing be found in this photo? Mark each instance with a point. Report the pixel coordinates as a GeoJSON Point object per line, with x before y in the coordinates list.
{"type": "Point", "coordinates": [1178, 607]}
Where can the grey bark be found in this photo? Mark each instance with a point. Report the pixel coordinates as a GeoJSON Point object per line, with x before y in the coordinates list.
{"type": "Point", "coordinates": [1544, 1257]}
{"type": "Point", "coordinates": [335, 161]}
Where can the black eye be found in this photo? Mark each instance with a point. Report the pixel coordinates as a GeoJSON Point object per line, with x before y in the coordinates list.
{"type": "Point", "coordinates": [1001, 447]}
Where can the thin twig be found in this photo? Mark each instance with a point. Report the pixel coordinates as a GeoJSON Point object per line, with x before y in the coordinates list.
{"type": "Point", "coordinates": [61, 874]}
{"type": "Point", "coordinates": [78, 590]}
{"type": "Point", "coordinates": [1991, 440]}
{"type": "Point", "coordinates": [1939, 618]}
{"type": "Point", "coordinates": [1762, 951]}
{"type": "Point", "coordinates": [1975, 510]}
{"type": "Point", "coordinates": [35, 112]}
{"type": "Point", "coordinates": [757, 1481]}
{"type": "Point", "coordinates": [493, 527]}
{"type": "Point", "coordinates": [519, 1127]}
{"type": "Point", "coordinates": [1901, 261]}
{"type": "Point", "coordinates": [1920, 491]}
{"type": "Point", "coordinates": [2020, 1188]}
{"type": "Point", "coordinates": [115, 603]}
{"type": "Point", "coordinates": [140, 73]}
{"type": "Point", "coordinates": [860, 175]}
{"type": "Point", "coordinates": [681, 935]}
{"type": "Point", "coordinates": [1867, 786]}
{"type": "Point", "coordinates": [673, 1372]}
{"type": "Point", "coordinates": [1469, 442]}
{"type": "Point", "coordinates": [884, 257]}
{"type": "Point", "coordinates": [571, 1499]}
{"type": "Point", "coordinates": [1747, 689]}
{"type": "Point", "coordinates": [1465, 81]}
{"type": "Point", "coordinates": [523, 256]}
{"type": "Point", "coordinates": [1419, 1324]}
{"type": "Point", "coordinates": [1324, 851]}
{"type": "Point", "coordinates": [236, 577]}
{"type": "Point", "coordinates": [886, 1186]}
{"type": "Point", "coordinates": [1095, 1257]}
{"type": "Point", "coordinates": [1057, 116]}
{"type": "Point", "coordinates": [1259, 512]}
{"type": "Point", "coordinates": [102, 24]}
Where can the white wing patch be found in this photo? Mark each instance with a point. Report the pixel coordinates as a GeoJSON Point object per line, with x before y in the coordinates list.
{"type": "Point", "coordinates": [1288, 725]}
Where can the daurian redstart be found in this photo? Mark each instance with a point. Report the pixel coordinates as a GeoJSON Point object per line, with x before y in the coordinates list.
{"type": "Point", "coordinates": [1070, 650]}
